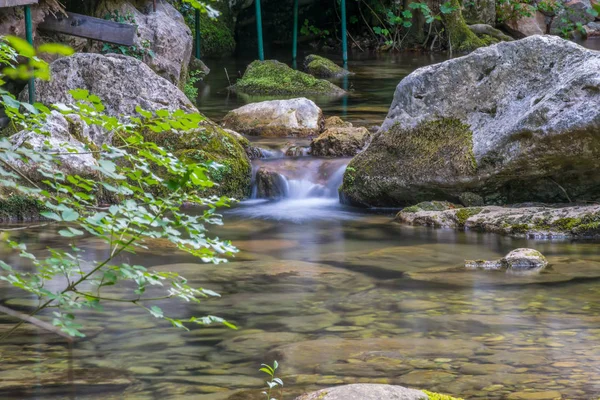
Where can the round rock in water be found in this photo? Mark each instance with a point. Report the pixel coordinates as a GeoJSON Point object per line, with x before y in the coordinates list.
{"type": "Point", "coordinates": [365, 392]}
{"type": "Point", "coordinates": [525, 260]}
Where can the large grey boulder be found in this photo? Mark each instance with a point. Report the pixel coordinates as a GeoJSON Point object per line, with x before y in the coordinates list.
{"type": "Point", "coordinates": [121, 82]}
{"type": "Point", "coordinates": [365, 391]}
{"type": "Point", "coordinates": [163, 35]}
{"type": "Point", "coordinates": [514, 122]}
{"type": "Point", "coordinates": [278, 118]}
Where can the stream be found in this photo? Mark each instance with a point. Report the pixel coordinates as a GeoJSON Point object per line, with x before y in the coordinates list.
{"type": "Point", "coordinates": [337, 295]}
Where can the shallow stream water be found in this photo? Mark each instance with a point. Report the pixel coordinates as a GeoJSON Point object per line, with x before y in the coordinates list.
{"type": "Point", "coordinates": [336, 295]}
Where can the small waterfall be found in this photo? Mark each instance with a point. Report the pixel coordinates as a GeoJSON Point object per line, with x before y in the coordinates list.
{"type": "Point", "coordinates": [298, 178]}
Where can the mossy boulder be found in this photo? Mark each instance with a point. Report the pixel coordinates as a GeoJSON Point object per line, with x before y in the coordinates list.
{"type": "Point", "coordinates": [511, 123]}
{"type": "Point", "coordinates": [322, 67]}
{"type": "Point", "coordinates": [211, 143]}
{"type": "Point", "coordinates": [275, 78]}
{"type": "Point", "coordinates": [404, 166]}
{"type": "Point", "coordinates": [19, 208]}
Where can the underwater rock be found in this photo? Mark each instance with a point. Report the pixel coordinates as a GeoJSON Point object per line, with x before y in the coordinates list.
{"type": "Point", "coordinates": [511, 137]}
{"type": "Point", "coordinates": [531, 222]}
{"type": "Point", "coordinates": [276, 118]}
{"type": "Point", "coordinates": [162, 32]}
{"type": "Point", "coordinates": [340, 142]}
{"type": "Point", "coordinates": [322, 67]}
{"type": "Point", "coordinates": [275, 78]}
{"type": "Point", "coordinates": [365, 391]}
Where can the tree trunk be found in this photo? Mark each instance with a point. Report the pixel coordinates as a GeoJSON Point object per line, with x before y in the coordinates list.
{"type": "Point", "coordinates": [460, 37]}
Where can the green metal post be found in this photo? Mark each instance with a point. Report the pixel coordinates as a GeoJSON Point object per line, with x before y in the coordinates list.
{"type": "Point", "coordinates": [295, 38]}
{"type": "Point", "coordinates": [29, 35]}
{"type": "Point", "coordinates": [259, 32]}
{"type": "Point", "coordinates": [344, 33]}
{"type": "Point", "coordinates": [198, 34]}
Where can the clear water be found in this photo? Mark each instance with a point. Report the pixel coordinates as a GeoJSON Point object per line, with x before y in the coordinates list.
{"type": "Point", "coordinates": [336, 295]}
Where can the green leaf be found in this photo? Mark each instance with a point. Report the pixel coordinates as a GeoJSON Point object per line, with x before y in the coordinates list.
{"type": "Point", "coordinates": [69, 215]}
{"type": "Point", "coordinates": [56, 48]}
{"type": "Point", "coordinates": [157, 312]}
{"type": "Point", "coordinates": [21, 46]}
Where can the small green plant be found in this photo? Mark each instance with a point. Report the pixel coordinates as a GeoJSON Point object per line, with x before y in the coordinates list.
{"type": "Point", "coordinates": [273, 381]}
{"type": "Point", "coordinates": [140, 52]}
{"type": "Point", "coordinates": [190, 89]}
{"type": "Point", "coordinates": [309, 29]}
{"type": "Point", "coordinates": [513, 10]}
{"type": "Point", "coordinates": [398, 21]}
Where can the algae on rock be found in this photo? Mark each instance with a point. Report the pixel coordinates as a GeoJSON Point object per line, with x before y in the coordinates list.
{"type": "Point", "coordinates": [322, 67]}
{"type": "Point", "coordinates": [272, 77]}
{"type": "Point", "coordinates": [211, 143]}
{"type": "Point", "coordinates": [433, 151]}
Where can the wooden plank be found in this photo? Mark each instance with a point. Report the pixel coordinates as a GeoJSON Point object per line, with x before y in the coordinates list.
{"type": "Point", "coordinates": [90, 28]}
{"type": "Point", "coordinates": [16, 3]}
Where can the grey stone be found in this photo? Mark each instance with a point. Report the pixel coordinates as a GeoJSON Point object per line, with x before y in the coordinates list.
{"type": "Point", "coordinates": [279, 118]}
{"type": "Point", "coordinates": [512, 122]}
{"type": "Point", "coordinates": [365, 391]}
{"type": "Point", "coordinates": [121, 82]}
{"type": "Point", "coordinates": [525, 259]}
{"type": "Point", "coordinates": [163, 32]}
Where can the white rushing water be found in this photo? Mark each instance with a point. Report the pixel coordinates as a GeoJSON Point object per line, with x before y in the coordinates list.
{"type": "Point", "coordinates": [306, 187]}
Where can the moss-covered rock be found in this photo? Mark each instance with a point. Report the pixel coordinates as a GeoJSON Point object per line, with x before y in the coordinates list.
{"type": "Point", "coordinates": [322, 67]}
{"type": "Point", "coordinates": [401, 166]}
{"type": "Point", "coordinates": [275, 78]}
{"type": "Point", "coordinates": [19, 208]}
{"type": "Point", "coordinates": [211, 143]}
{"type": "Point", "coordinates": [340, 142]}
{"type": "Point", "coordinates": [479, 124]}
{"type": "Point", "coordinates": [531, 222]}
{"type": "Point", "coordinates": [431, 206]}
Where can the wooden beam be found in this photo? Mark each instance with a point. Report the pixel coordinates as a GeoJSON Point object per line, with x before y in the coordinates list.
{"type": "Point", "coordinates": [90, 28]}
{"type": "Point", "coordinates": [16, 3]}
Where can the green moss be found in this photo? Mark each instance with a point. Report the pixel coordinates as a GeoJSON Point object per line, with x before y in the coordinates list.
{"type": "Point", "coordinates": [566, 224]}
{"type": "Point", "coordinates": [464, 214]}
{"type": "Point", "coordinates": [323, 68]}
{"type": "Point", "coordinates": [274, 78]}
{"type": "Point", "coordinates": [438, 396]}
{"type": "Point", "coordinates": [461, 38]}
{"type": "Point", "coordinates": [404, 166]}
{"type": "Point", "coordinates": [217, 36]}
{"type": "Point", "coordinates": [519, 229]}
{"type": "Point", "coordinates": [412, 209]}
{"type": "Point", "coordinates": [16, 208]}
{"type": "Point", "coordinates": [210, 143]}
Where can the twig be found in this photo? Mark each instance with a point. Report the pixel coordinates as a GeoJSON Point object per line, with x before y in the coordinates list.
{"type": "Point", "coordinates": [561, 188]}
{"type": "Point", "coordinates": [26, 227]}
{"type": "Point", "coordinates": [357, 45]}
{"type": "Point", "coordinates": [227, 74]}
{"type": "Point", "coordinates": [34, 321]}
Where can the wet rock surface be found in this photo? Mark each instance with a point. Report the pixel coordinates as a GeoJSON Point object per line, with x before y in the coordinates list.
{"type": "Point", "coordinates": [535, 222]}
